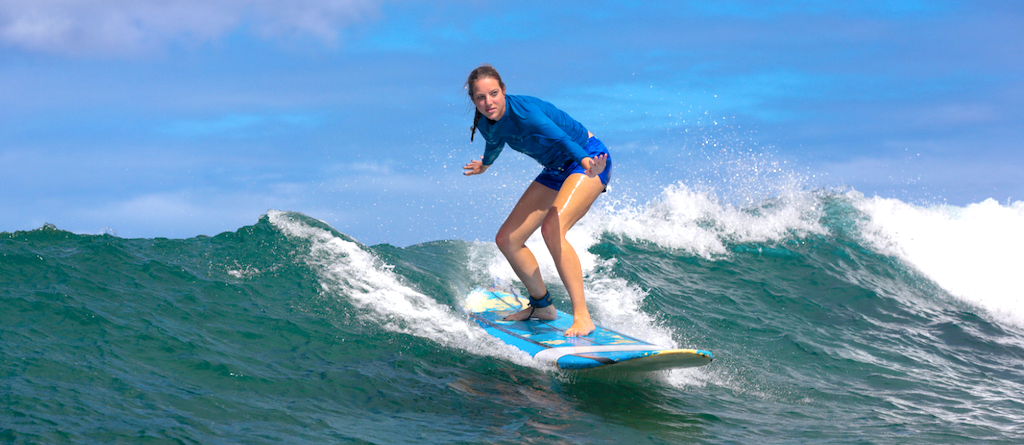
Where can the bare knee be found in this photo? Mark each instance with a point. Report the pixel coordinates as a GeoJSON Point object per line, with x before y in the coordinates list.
{"type": "Point", "coordinates": [504, 240]}
{"type": "Point", "coordinates": [551, 230]}
{"type": "Point", "coordinates": [501, 240]}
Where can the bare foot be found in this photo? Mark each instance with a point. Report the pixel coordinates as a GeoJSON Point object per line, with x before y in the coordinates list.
{"type": "Point", "coordinates": [580, 327]}
{"type": "Point", "coordinates": [543, 313]}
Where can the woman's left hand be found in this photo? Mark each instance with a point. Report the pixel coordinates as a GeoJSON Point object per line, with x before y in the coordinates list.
{"type": "Point", "coordinates": [594, 166]}
{"type": "Point", "coordinates": [475, 167]}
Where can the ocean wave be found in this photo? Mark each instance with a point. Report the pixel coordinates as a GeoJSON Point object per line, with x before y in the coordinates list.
{"type": "Point", "coordinates": [699, 223]}
{"type": "Point", "coordinates": [347, 270]}
{"type": "Point", "coordinates": [971, 251]}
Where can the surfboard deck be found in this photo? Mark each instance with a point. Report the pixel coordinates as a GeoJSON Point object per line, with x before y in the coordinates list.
{"type": "Point", "coordinates": [546, 341]}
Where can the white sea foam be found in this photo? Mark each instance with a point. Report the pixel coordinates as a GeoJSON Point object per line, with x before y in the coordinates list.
{"type": "Point", "coordinates": [699, 223]}
{"type": "Point", "coordinates": [347, 271]}
{"type": "Point", "coordinates": [973, 252]}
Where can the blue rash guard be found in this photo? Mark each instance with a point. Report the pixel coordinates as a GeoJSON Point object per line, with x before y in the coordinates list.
{"type": "Point", "coordinates": [537, 129]}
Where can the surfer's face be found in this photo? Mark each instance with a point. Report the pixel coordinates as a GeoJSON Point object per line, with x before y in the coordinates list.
{"type": "Point", "coordinates": [489, 97]}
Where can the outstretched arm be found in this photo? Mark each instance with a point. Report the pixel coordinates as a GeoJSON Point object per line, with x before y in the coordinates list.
{"type": "Point", "coordinates": [475, 167]}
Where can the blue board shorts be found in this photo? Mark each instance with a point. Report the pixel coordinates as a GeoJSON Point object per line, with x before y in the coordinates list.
{"type": "Point", "coordinates": [553, 178]}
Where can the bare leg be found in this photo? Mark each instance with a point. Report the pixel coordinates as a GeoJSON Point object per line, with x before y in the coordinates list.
{"type": "Point", "coordinates": [526, 217]}
{"type": "Point", "coordinates": [578, 193]}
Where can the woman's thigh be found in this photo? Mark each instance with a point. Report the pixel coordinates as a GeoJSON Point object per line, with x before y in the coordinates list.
{"type": "Point", "coordinates": [574, 200]}
{"type": "Point", "coordinates": [528, 214]}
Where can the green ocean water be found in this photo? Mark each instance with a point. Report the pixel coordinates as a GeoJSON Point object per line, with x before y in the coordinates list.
{"type": "Point", "coordinates": [288, 331]}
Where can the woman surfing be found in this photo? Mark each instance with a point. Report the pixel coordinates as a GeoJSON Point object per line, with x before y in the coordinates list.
{"type": "Point", "coordinates": [577, 168]}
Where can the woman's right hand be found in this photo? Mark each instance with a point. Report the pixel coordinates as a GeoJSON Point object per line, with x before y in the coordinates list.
{"type": "Point", "coordinates": [475, 167]}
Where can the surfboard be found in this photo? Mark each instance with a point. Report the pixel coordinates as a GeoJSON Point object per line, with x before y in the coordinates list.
{"type": "Point", "coordinates": [546, 341]}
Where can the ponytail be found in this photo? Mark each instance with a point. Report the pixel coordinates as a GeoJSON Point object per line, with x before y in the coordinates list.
{"type": "Point", "coordinates": [472, 130]}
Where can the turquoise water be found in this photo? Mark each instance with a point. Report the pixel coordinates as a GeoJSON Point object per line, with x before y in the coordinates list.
{"type": "Point", "coordinates": [827, 325]}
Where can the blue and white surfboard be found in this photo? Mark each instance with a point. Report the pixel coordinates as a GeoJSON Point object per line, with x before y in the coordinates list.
{"type": "Point", "coordinates": [546, 340]}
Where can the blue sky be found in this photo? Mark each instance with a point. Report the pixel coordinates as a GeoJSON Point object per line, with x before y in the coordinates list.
{"type": "Point", "coordinates": [175, 119]}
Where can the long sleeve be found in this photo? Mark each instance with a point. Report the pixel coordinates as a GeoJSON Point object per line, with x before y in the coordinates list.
{"type": "Point", "coordinates": [537, 129]}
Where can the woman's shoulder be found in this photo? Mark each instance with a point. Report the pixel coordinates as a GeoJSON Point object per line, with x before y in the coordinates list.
{"type": "Point", "coordinates": [526, 101]}
{"type": "Point", "coordinates": [525, 107]}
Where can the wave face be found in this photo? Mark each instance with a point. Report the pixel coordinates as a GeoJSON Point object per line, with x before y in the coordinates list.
{"type": "Point", "coordinates": [832, 317]}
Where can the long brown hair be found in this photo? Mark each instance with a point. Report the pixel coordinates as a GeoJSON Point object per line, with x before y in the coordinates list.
{"type": "Point", "coordinates": [482, 72]}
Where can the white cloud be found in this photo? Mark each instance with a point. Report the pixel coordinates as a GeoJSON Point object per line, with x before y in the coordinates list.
{"type": "Point", "coordinates": [118, 27]}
